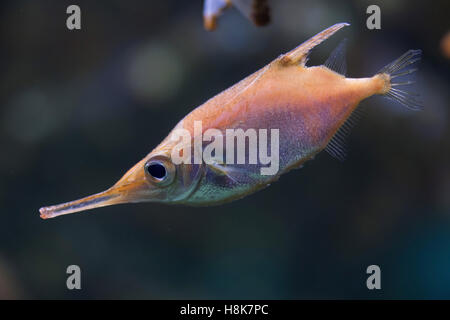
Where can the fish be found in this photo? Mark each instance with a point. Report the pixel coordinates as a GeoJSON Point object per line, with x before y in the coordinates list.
{"type": "Point", "coordinates": [310, 109]}
{"type": "Point", "coordinates": [257, 11]}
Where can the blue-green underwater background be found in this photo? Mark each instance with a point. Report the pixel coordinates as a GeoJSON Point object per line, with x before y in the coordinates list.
{"type": "Point", "coordinates": [78, 108]}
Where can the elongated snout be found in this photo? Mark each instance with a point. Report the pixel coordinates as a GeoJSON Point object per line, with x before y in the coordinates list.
{"type": "Point", "coordinates": [106, 198]}
{"type": "Point", "coordinates": [132, 187]}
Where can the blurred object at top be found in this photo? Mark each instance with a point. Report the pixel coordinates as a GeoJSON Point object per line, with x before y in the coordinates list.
{"type": "Point", "coordinates": [258, 11]}
{"type": "Point", "coordinates": [445, 45]}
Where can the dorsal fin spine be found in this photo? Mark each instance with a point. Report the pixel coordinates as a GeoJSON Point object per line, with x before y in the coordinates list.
{"type": "Point", "coordinates": [300, 54]}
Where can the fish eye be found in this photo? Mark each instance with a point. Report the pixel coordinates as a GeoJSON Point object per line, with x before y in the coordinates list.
{"type": "Point", "coordinates": [156, 170]}
{"type": "Point", "coordinates": [160, 171]}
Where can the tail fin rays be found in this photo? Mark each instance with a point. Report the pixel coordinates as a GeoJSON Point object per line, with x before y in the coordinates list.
{"type": "Point", "coordinates": [399, 68]}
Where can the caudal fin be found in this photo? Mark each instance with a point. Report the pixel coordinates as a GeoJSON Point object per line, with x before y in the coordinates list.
{"type": "Point", "coordinates": [398, 69]}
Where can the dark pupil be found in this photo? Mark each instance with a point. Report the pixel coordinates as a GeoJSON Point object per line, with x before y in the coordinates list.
{"type": "Point", "coordinates": [156, 170]}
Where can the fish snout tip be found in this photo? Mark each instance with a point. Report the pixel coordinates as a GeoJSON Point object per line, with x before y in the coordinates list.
{"type": "Point", "coordinates": [45, 213]}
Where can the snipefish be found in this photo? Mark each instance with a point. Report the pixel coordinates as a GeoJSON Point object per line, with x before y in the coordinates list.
{"type": "Point", "coordinates": [307, 110]}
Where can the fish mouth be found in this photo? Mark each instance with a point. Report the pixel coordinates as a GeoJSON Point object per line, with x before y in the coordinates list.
{"type": "Point", "coordinates": [132, 187]}
{"type": "Point", "coordinates": [101, 199]}
{"type": "Point", "coordinates": [114, 195]}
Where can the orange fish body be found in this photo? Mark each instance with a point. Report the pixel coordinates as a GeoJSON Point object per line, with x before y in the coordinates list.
{"type": "Point", "coordinates": [308, 106]}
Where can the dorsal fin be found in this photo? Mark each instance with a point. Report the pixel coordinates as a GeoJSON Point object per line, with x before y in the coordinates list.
{"type": "Point", "coordinates": [337, 146]}
{"type": "Point", "coordinates": [337, 61]}
{"type": "Point", "coordinates": [300, 54]}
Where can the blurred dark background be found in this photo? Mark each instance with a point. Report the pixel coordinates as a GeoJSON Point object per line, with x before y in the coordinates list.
{"type": "Point", "coordinates": [78, 108]}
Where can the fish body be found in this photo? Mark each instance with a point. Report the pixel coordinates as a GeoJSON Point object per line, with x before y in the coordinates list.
{"type": "Point", "coordinates": [307, 106]}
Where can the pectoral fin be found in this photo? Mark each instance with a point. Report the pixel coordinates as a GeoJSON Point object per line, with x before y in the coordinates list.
{"type": "Point", "coordinates": [233, 173]}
